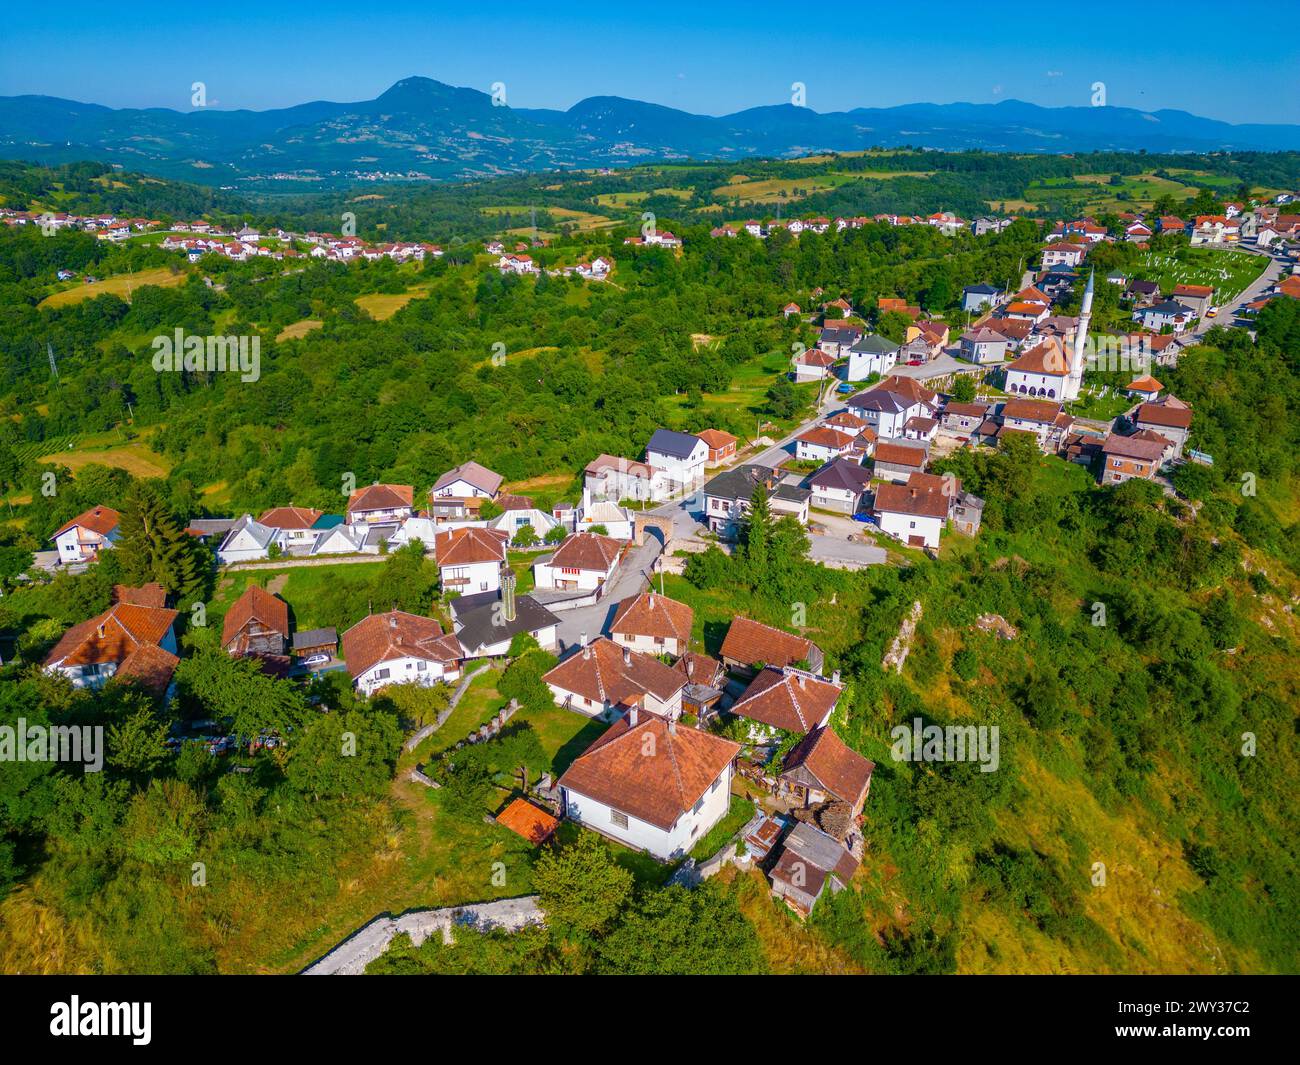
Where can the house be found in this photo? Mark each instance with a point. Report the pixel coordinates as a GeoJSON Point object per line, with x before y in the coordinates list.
{"type": "Point", "coordinates": [1014, 330]}
{"type": "Point", "coordinates": [1142, 292]}
{"type": "Point", "coordinates": [750, 644]}
{"type": "Point", "coordinates": [351, 539]}
{"type": "Point", "coordinates": [789, 501]}
{"type": "Point", "coordinates": [618, 522]}
{"type": "Point", "coordinates": [459, 493]}
{"type": "Point", "coordinates": [246, 540]}
{"type": "Point", "coordinates": [651, 784]}
{"type": "Point", "coordinates": [257, 623]}
{"type": "Point", "coordinates": [839, 486]}
{"type": "Point", "coordinates": [1137, 232]}
{"type": "Point", "coordinates": [790, 310]}
{"type": "Point", "coordinates": [603, 680]}
{"type": "Point", "coordinates": [1063, 254]}
{"type": "Point", "coordinates": [679, 456]}
{"type": "Point", "coordinates": [964, 418]}
{"type": "Point", "coordinates": [786, 699]}
{"type": "Point", "coordinates": [1169, 417]}
{"type": "Point", "coordinates": [809, 862]}
{"type": "Point", "coordinates": [976, 297]}
{"type": "Point", "coordinates": [836, 339]}
{"type": "Point", "coordinates": [380, 504]}
{"type": "Point", "coordinates": [1167, 313]}
{"type": "Point", "coordinates": [722, 446]}
{"type": "Point", "coordinates": [727, 497]}
{"type": "Point", "coordinates": [706, 681]}
{"type": "Point", "coordinates": [520, 512]}
{"type": "Point", "coordinates": [1144, 388]}
{"type": "Point", "coordinates": [1125, 457]}
{"type": "Point", "coordinates": [295, 527]}
{"type": "Point", "coordinates": [813, 365]}
{"type": "Point", "coordinates": [983, 345]}
{"type": "Point", "coordinates": [966, 513]}
{"type": "Point", "coordinates": [888, 406]}
{"type": "Point", "coordinates": [920, 428]}
{"type": "Point", "coordinates": [822, 768]}
{"type": "Point", "coordinates": [1040, 371]}
{"type": "Point", "coordinates": [914, 512]}
{"type": "Point", "coordinates": [512, 263]}
{"type": "Point", "coordinates": [871, 354]}
{"type": "Point", "coordinates": [86, 535]}
{"type": "Point", "coordinates": [820, 444]}
{"type": "Point", "coordinates": [126, 640]}
{"type": "Point", "coordinates": [485, 622]}
{"type": "Point", "coordinates": [206, 529]}
{"type": "Point", "coordinates": [897, 460]}
{"type": "Point", "coordinates": [1215, 229]}
{"type": "Point", "coordinates": [583, 563]}
{"type": "Point", "coordinates": [848, 423]}
{"type": "Point", "coordinates": [400, 648]}
{"type": "Point", "coordinates": [614, 477]}
{"type": "Point", "coordinates": [531, 822]}
{"type": "Point", "coordinates": [1200, 298]}
{"type": "Point", "coordinates": [1045, 420]}
{"type": "Point", "coordinates": [652, 624]}
{"type": "Point", "coordinates": [470, 559]}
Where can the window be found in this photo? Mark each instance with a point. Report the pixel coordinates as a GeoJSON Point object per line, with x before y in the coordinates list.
{"type": "Point", "coordinates": [618, 819]}
{"type": "Point", "coordinates": [421, 666]}
{"type": "Point", "coordinates": [716, 784]}
{"type": "Point", "coordinates": [381, 674]}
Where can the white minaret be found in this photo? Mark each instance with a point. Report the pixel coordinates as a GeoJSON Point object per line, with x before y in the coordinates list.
{"type": "Point", "coordinates": [1074, 380]}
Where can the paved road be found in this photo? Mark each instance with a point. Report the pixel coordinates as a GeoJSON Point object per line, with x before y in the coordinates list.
{"type": "Point", "coordinates": [1253, 291]}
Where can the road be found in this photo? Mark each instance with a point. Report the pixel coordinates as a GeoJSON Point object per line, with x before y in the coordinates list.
{"type": "Point", "coordinates": [1253, 291]}
{"type": "Point", "coordinates": [638, 566]}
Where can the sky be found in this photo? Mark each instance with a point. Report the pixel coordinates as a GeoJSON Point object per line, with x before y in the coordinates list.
{"type": "Point", "coordinates": [705, 57]}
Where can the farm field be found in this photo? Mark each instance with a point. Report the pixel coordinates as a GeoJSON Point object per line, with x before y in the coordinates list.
{"type": "Point", "coordinates": [383, 305]}
{"type": "Point", "coordinates": [301, 329]}
{"type": "Point", "coordinates": [136, 458]}
{"type": "Point", "coordinates": [122, 285]}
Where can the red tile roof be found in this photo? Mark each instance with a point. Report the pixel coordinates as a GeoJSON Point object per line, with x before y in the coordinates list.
{"type": "Point", "coordinates": [102, 520]}
{"type": "Point", "coordinates": [649, 614]}
{"type": "Point", "coordinates": [291, 517]}
{"type": "Point", "coordinates": [653, 770]}
{"type": "Point", "coordinates": [527, 820]}
{"type": "Point", "coordinates": [256, 604]}
{"type": "Point", "coordinates": [918, 498]}
{"type": "Point", "coordinates": [839, 770]}
{"type": "Point", "coordinates": [587, 551]}
{"type": "Point", "coordinates": [749, 642]}
{"type": "Point", "coordinates": [1046, 358]}
{"type": "Point", "coordinates": [396, 634]}
{"type": "Point", "coordinates": [465, 547]}
{"type": "Point", "coordinates": [788, 699]}
{"type": "Point", "coordinates": [606, 673]}
{"type": "Point", "coordinates": [380, 497]}
{"type": "Point", "coordinates": [151, 594]}
{"type": "Point", "coordinates": [111, 636]}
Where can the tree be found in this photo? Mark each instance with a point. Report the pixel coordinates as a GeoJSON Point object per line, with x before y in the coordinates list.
{"type": "Point", "coordinates": [350, 755]}
{"type": "Point", "coordinates": [153, 545]}
{"type": "Point", "coordinates": [216, 685]}
{"type": "Point", "coordinates": [755, 534]}
{"type": "Point", "coordinates": [135, 745]}
{"type": "Point", "coordinates": [581, 886]}
{"type": "Point", "coordinates": [963, 388]}
{"type": "Point", "coordinates": [782, 399]}
{"type": "Point", "coordinates": [525, 536]}
{"type": "Point", "coordinates": [681, 931]}
{"type": "Point", "coordinates": [556, 535]}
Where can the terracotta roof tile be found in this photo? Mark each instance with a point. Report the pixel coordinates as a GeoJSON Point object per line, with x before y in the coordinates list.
{"type": "Point", "coordinates": [256, 604]}
{"type": "Point", "coordinates": [606, 673]}
{"type": "Point", "coordinates": [840, 770]}
{"type": "Point", "coordinates": [396, 634]}
{"type": "Point", "coordinates": [649, 614]}
{"type": "Point", "coordinates": [788, 699]}
{"type": "Point", "coordinates": [749, 642]}
{"type": "Point", "coordinates": [465, 547]}
{"type": "Point", "coordinates": [102, 520]}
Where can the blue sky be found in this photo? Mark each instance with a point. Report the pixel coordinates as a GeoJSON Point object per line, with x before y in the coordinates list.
{"type": "Point", "coordinates": [707, 57]}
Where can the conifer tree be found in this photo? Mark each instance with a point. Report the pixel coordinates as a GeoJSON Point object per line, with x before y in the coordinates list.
{"type": "Point", "coordinates": [154, 546]}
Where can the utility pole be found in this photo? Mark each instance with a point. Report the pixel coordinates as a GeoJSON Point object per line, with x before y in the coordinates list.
{"type": "Point", "coordinates": [54, 366]}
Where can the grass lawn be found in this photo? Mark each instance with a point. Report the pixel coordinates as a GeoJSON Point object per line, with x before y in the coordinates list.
{"type": "Point", "coordinates": [477, 706]}
{"type": "Point", "coordinates": [122, 285]}
{"type": "Point", "coordinates": [136, 458]}
{"type": "Point", "coordinates": [382, 305]}
{"type": "Point", "coordinates": [736, 817]}
{"type": "Point", "coordinates": [299, 329]}
{"type": "Point", "coordinates": [563, 734]}
{"type": "Point", "coordinates": [1230, 272]}
{"type": "Point", "coordinates": [300, 587]}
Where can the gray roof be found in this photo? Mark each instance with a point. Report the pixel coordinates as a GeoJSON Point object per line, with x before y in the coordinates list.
{"type": "Point", "coordinates": [211, 526]}
{"type": "Point", "coordinates": [739, 483]}
{"type": "Point", "coordinates": [261, 534]}
{"type": "Point", "coordinates": [879, 399]}
{"type": "Point", "coordinates": [841, 473]}
{"type": "Point", "coordinates": [983, 290]}
{"type": "Point", "coordinates": [315, 638]}
{"type": "Point", "coordinates": [874, 344]}
{"type": "Point", "coordinates": [670, 442]}
{"type": "Point", "coordinates": [472, 473]}
{"type": "Point", "coordinates": [818, 849]}
{"type": "Point", "coordinates": [479, 621]}
{"type": "Point", "coordinates": [791, 494]}
{"type": "Point", "coordinates": [1170, 307]}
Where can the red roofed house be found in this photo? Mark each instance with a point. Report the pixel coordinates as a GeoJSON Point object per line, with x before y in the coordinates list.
{"type": "Point", "coordinates": [378, 503]}
{"type": "Point", "coordinates": [257, 623]}
{"type": "Point", "coordinates": [400, 648]}
{"type": "Point", "coordinates": [604, 680]}
{"type": "Point", "coordinates": [651, 784]}
{"type": "Point", "coordinates": [749, 644]}
{"type": "Point", "coordinates": [821, 768]}
{"type": "Point", "coordinates": [525, 819]}
{"type": "Point", "coordinates": [125, 640]}
{"type": "Point", "coordinates": [722, 446]}
{"type": "Point", "coordinates": [1171, 418]}
{"type": "Point", "coordinates": [583, 563]}
{"type": "Point", "coordinates": [916, 512]}
{"type": "Point", "coordinates": [813, 365]}
{"type": "Point", "coordinates": [1126, 457]}
{"type": "Point", "coordinates": [820, 444]}
{"type": "Point", "coordinates": [86, 535]}
{"type": "Point", "coordinates": [785, 699]}
{"type": "Point", "coordinates": [470, 559]}
{"type": "Point", "coordinates": [653, 624]}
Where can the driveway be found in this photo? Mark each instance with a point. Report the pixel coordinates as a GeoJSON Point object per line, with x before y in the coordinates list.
{"type": "Point", "coordinates": [839, 553]}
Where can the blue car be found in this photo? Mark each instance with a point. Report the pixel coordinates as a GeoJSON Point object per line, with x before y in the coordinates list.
{"type": "Point", "coordinates": [844, 389]}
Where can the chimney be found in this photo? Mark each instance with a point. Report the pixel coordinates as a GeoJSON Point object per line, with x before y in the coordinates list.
{"type": "Point", "coordinates": [508, 596]}
{"type": "Point", "coordinates": [651, 601]}
{"type": "Point", "coordinates": [835, 678]}
{"type": "Point", "coordinates": [690, 668]}
{"type": "Point", "coordinates": [672, 726]}
{"type": "Point", "coordinates": [802, 680]}
{"type": "Point", "coordinates": [631, 717]}
{"type": "Point", "coordinates": [627, 656]}
{"type": "Point", "coordinates": [582, 642]}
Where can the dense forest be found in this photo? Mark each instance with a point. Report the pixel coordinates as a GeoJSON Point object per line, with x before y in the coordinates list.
{"type": "Point", "coordinates": [1124, 744]}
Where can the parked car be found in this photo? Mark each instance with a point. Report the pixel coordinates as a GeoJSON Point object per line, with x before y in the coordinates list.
{"type": "Point", "coordinates": [844, 389]}
{"type": "Point", "coordinates": [316, 660]}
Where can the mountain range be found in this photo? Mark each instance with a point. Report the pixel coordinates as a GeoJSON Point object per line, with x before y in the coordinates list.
{"type": "Point", "coordinates": [421, 129]}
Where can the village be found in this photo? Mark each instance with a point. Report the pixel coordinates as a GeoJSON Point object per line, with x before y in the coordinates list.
{"type": "Point", "coordinates": [857, 475]}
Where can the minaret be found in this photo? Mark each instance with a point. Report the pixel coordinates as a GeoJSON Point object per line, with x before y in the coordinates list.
{"type": "Point", "coordinates": [1074, 381]}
